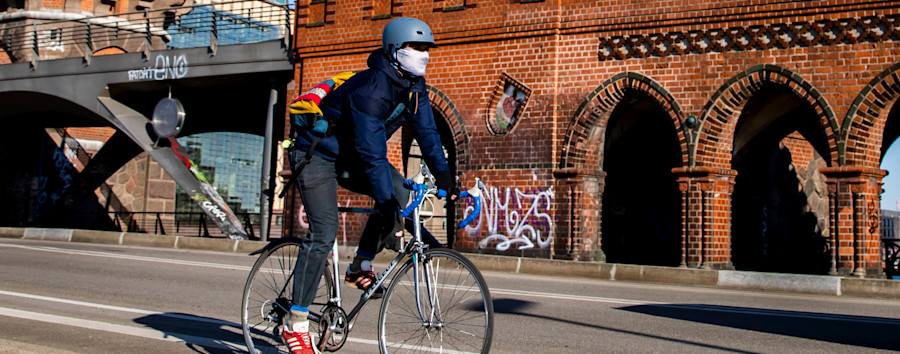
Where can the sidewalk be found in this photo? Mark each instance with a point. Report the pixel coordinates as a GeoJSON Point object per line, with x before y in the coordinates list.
{"type": "Point", "coordinates": [814, 284]}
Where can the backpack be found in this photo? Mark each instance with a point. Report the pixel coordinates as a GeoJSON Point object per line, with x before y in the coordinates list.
{"type": "Point", "coordinates": [305, 112]}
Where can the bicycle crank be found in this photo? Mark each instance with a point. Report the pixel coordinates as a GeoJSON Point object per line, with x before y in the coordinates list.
{"type": "Point", "coordinates": [333, 329]}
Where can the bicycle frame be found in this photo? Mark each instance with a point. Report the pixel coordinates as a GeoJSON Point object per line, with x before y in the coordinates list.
{"type": "Point", "coordinates": [414, 249]}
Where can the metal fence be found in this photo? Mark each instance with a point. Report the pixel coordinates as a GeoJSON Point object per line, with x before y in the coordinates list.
{"type": "Point", "coordinates": [67, 35]}
{"type": "Point", "coordinates": [184, 224]}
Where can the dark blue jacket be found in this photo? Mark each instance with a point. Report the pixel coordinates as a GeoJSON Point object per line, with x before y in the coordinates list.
{"type": "Point", "coordinates": [360, 110]}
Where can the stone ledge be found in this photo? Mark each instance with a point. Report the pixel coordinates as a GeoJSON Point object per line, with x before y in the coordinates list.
{"type": "Point", "coordinates": [816, 284]}
{"type": "Point", "coordinates": [48, 234]}
{"type": "Point", "coordinates": [12, 232]}
{"type": "Point", "coordinates": [871, 288]}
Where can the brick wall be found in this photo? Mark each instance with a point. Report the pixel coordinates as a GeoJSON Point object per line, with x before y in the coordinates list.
{"type": "Point", "coordinates": [93, 133]}
{"type": "Point", "coordinates": [703, 60]}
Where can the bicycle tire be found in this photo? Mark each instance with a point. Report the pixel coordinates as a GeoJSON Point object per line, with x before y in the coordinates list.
{"type": "Point", "coordinates": [463, 303]}
{"type": "Point", "coordinates": [267, 298]}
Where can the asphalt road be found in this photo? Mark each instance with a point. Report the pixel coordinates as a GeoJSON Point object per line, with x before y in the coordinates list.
{"type": "Point", "coordinates": [60, 297]}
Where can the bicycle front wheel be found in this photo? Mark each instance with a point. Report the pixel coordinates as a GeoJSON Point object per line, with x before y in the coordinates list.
{"type": "Point", "coordinates": [446, 307]}
{"type": "Point", "coordinates": [267, 297]}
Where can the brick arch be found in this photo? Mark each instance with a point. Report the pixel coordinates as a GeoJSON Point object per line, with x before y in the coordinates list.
{"type": "Point", "coordinates": [109, 51]}
{"type": "Point", "coordinates": [718, 117]}
{"type": "Point", "coordinates": [867, 115]}
{"type": "Point", "coordinates": [578, 148]}
{"type": "Point", "coordinates": [449, 112]}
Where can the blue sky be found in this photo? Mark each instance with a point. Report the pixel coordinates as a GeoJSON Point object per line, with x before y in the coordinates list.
{"type": "Point", "coordinates": [891, 163]}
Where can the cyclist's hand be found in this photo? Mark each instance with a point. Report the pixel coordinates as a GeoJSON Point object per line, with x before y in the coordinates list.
{"type": "Point", "coordinates": [443, 180]}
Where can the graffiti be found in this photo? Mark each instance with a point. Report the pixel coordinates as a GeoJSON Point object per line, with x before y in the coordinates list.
{"type": "Point", "coordinates": [525, 222]}
{"type": "Point", "coordinates": [214, 210]}
{"type": "Point", "coordinates": [872, 211]}
{"type": "Point", "coordinates": [51, 40]}
{"type": "Point", "coordinates": [39, 195]}
{"type": "Point", "coordinates": [167, 67]}
{"type": "Point", "coordinates": [62, 163]}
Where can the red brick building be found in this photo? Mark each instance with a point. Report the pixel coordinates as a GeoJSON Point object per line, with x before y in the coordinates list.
{"type": "Point", "coordinates": [736, 134]}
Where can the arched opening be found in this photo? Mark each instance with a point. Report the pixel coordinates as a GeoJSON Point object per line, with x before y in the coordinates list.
{"type": "Point", "coordinates": [641, 216]}
{"type": "Point", "coordinates": [438, 224]}
{"type": "Point", "coordinates": [45, 163]}
{"type": "Point", "coordinates": [780, 200]}
{"type": "Point", "coordinates": [890, 200]}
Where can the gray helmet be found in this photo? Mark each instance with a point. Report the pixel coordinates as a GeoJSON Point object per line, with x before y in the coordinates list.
{"type": "Point", "coordinates": [404, 30]}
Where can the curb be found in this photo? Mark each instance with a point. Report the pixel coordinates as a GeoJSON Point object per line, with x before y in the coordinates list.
{"type": "Point", "coordinates": [726, 279]}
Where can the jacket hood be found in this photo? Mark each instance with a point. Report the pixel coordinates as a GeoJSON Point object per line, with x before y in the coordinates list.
{"type": "Point", "coordinates": [378, 61]}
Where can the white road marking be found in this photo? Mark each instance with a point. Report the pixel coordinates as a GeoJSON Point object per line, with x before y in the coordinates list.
{"type": "Point", "coordinates": [120, 329]}
{"type": "Point", "coordinates": [120, 309]}
{"type": "Point", "coordinates": [128, 257]}
{"type": "Point", "coordinates": [517, 293]}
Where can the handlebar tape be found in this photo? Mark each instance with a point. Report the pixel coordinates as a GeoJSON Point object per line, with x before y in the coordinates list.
{"type": "Point", "coordinates": [420, 190]}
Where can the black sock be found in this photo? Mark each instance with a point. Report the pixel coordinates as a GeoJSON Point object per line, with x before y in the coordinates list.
{"type": "Point", "coordinates": [357, 263]}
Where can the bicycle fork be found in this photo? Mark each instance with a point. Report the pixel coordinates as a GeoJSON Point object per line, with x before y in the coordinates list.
{"type": "Point", "coordinates": [432, 320]}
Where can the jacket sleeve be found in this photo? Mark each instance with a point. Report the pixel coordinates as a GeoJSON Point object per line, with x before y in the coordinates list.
{"type": "Point", "coordinates": [426, 133]}
{"type": "Point", "coordinates": [365, 108]}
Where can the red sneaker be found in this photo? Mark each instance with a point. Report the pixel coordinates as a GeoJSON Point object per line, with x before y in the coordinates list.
{"type": "Point", "coordinates": [298, 340]}
{"type": "Point", "coordinates": [363, 279]}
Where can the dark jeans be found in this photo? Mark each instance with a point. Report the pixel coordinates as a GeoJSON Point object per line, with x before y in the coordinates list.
{"type": "Point", "coordinates": [318, 184]}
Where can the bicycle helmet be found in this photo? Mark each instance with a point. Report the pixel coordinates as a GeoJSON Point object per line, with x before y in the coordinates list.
{"type": "Point", "coordinates": [404, 30]}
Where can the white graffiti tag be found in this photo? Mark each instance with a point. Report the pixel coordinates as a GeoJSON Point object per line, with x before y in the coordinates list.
{"type": "Point", "coordinates": [525, 227]}
{"type": "Point", "coordinates": [167, 67]}
{"type": "Point", "coordinates": [214, 210]}
{"type": "Point", "coordinates": [51, 40]}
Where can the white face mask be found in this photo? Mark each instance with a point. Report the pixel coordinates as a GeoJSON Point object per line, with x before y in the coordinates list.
{"type": "Point", "coordinates": [412, 61]}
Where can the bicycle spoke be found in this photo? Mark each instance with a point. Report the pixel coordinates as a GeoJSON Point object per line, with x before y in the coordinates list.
{"type": "Point", "coordinates": [267, 298]}
{"type": "Point", "coordinates": [456, 314]}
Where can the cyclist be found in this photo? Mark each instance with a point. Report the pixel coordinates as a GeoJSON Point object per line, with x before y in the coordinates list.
{"type": "Point", "coordinates": [363, 113]}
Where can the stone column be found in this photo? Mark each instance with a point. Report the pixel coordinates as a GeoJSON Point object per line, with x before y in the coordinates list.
{"type": "Point", "coordinates": [856, 228]}
{"type": "Point", "coordinates": [578, 204]}
{"type": "Point", "coordinates": [706, 216]}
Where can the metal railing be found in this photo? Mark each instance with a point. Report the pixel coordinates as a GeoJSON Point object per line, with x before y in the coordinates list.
{"type": "Point", "coordinates": [890, 248]}
{"type": "Point", "coordinates": [184, 224]}
{"type": "Point", "coordinates": [45, 36]}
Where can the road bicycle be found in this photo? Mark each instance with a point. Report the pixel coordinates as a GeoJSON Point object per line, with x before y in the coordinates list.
{"type": "Point", "coordinates": [436, 300]}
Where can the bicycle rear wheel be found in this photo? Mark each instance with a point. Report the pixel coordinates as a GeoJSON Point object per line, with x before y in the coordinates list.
{"type": "Point", "coordinates": [267, 298]}
{"type": "Point", "coordinates": [456, 315]}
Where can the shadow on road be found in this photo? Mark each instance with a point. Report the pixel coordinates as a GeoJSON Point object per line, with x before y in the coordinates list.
{"type": "Point", "coordinates": [200, 334]}
{"type": "Point", "coordinates": [518, 307]}
{"type": "Point", "coordinates": [862, 331]}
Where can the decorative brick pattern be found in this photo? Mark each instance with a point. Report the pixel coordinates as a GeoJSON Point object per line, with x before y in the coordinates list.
{"type": "Point", "coordinates": [380, 9]}
{"type": "Point", "coordinates": [453, 5]}
{"type": "Point", "coordinates": [822, 32]}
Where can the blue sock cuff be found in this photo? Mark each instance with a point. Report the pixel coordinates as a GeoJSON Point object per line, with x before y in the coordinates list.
{"type": "Point", "coordinates": [365, 254]}
{"type": "Point", "coordinates": [297, 308]}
